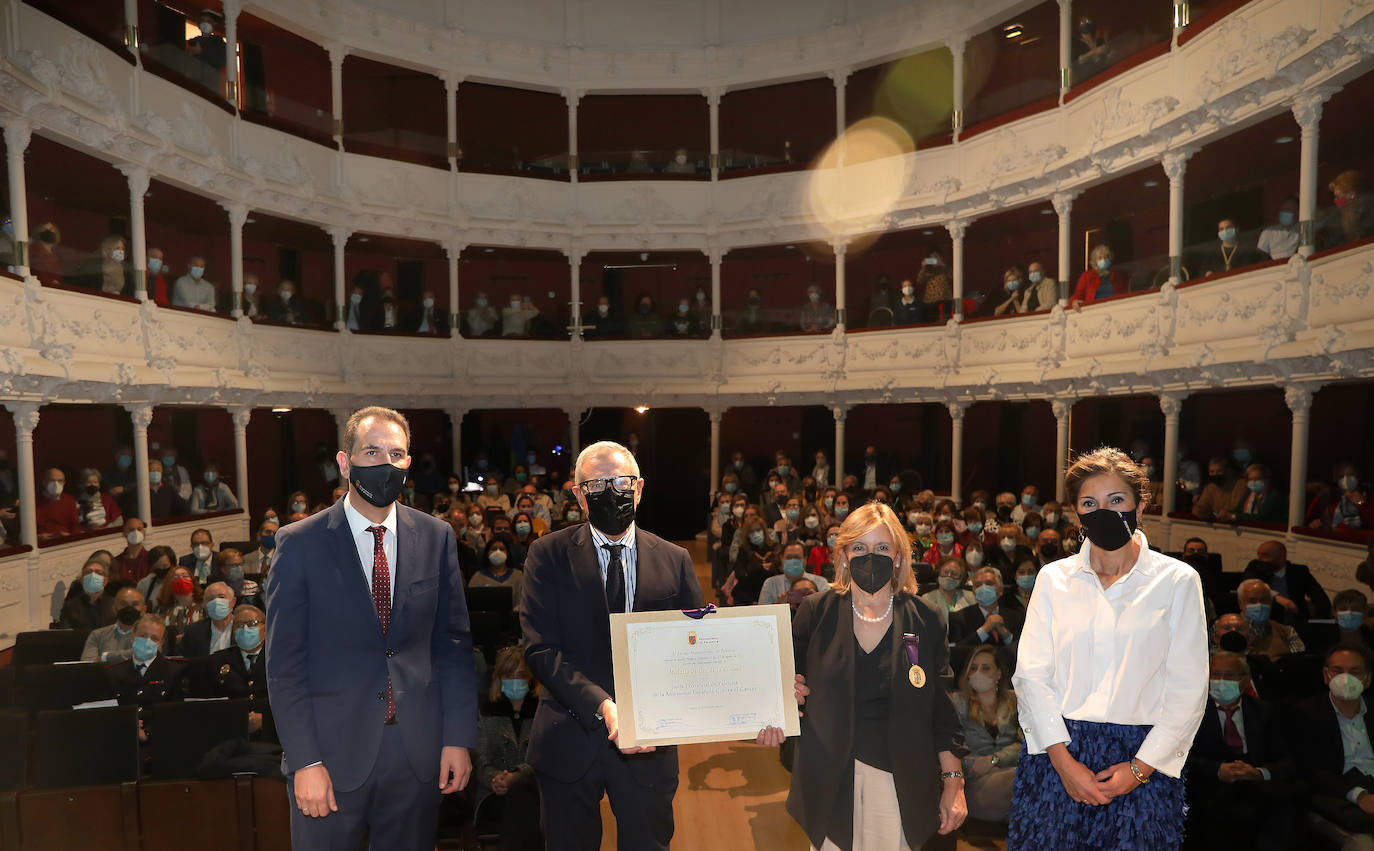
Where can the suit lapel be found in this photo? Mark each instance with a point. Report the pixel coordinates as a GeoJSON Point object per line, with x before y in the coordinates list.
{"type": "Point", "coordinates": [407, 544]}
{"type": "Point", "coordinates": [586, 569]}
{"type": "Point", "coordinates": [644, 547]}
{"type": "Point", "coordinates": [352, 580]}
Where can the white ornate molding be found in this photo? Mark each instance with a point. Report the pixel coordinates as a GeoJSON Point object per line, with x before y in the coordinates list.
{"type": "Point", "coordinates": [1170, 404]}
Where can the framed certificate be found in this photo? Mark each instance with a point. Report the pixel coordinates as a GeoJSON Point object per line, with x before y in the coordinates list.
{"type": "Point", "coordinates": [720, 678]}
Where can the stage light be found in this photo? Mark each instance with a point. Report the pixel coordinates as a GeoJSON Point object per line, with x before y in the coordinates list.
{"type": "Point", "coordinates": [281, 410]}
{"type": "Point", "coordinates": [642, 409]}
{"type": "Point", "coordinates": [1283, 140]}
{"type": "Point", "coordinates": [1151, 183]}
{"type": "Point", "coordinates": [1012, 31]}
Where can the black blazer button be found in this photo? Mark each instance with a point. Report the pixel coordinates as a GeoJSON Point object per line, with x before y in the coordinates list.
{"type": "Point", "coordinates": [381, 695]}
{"type": "Point", "coordinates": [390, 653]}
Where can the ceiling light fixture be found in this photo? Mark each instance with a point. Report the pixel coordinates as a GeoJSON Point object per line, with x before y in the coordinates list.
{"type": "Point", "coordinates": [1013, 31]}
{"type": "Point", "coordinates": [281, 410]}
{"type": "Point", "coordinates": [642, 409]}
{"type": "Point", "coordinates": [1283, 140]}
{"type": "Point", "coordinates": [1152, 183]}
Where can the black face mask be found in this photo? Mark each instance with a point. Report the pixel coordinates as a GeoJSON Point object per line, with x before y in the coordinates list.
{"type": "Point", "coordinates": [611, 511]}
{"type": "Point", "coordinates": [1233, 641]}
{"type": "Point", "coordinates": [1050, 551]}
{"type": "Point", "coordinates": [1003, 513]}
{"type": "Point", "coordinates": [871, 571]}
{"type": "Point", "coordinates": [380, 484]}
{"type": "Point", "coordinates": [1108, 530]}
{"type": "Point", "coordinates": [127, 615]}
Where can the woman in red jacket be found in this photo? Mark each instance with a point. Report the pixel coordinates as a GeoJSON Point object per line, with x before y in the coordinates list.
{"type": "Point", "coordinates": [1098, 281]}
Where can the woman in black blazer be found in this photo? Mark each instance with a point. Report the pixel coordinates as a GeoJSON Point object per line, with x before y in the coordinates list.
{"type": "Point", "coordinates": [873, 718]}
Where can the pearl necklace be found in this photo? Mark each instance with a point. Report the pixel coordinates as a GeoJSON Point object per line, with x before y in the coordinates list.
{"type": "Point", "coordinates": [880, 618]}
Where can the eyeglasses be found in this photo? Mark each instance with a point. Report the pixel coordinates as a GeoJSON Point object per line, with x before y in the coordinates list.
{"type": "Point", "coordinates": [249, 624]}
{"type": "Point", "coordinates": [623, 484]}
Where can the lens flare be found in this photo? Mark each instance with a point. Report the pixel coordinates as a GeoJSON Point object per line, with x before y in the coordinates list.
{"type": "Point", "coordinates": [860, 177]}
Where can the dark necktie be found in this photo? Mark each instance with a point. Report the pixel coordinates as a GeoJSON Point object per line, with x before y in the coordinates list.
{"type": "Point", "coordinates": [615, 579]}
{"type": "Point", "coordinates": [381, 598]}
{"type": "Point", "coordinates": [252, 660]}
{"type": "Point", "coordinates": [142, 670]}
{"type": "Point", "coordinates": [1234, 742]}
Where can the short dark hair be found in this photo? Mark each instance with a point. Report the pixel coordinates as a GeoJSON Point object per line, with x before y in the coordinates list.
{"type": "Point", "coordinates": [207, 532]}
{"type": "Point", "coordinates": [1349, 647]}
{"type": "Point", "coordinates": [1195, 541]}
{"type": "Point", "coordinates": [1350, 595]}
{"type": "Point", "coordinates": [355, 421]}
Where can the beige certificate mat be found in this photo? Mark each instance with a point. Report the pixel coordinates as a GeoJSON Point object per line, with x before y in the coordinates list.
{"type": "Point", "coordinates": [720, 678]}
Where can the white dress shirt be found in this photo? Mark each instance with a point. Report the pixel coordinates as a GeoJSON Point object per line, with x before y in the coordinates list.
{"type": "Point", "coordinates": [367, 544]}
{"type": "Point", "coordinates": [1355, 746]}
{"type": "Point", "coordinates": [1134, 653]}
{"type": "Point", "coordinates": [220, 639]}
{"type": "Point", "coordinates": [629, 560]}
{"type": "Point", "coordinates": [1279, 242]}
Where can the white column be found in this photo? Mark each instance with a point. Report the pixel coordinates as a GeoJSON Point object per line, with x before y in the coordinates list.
{"type": "Point", "coordinates": [142, 416]}
{"type": "Point", "coordinates": [956, 48]}
{"type": "Point", "coordinates": [957, 228]}
{"type": "Point", "coordinates": [572, 96]}
{"type": "Point", "coordinates": [1170, 404]}
{"type": "Point", "coordinates": [454, 250]}
{"type": "Point", "coordinates": [451, 81]}
{"type": "Point", "coordinates": [340, 237]}
{"type": "Point", "coordinates": [575, 290]}
{"type": "Point", "coordinates": [574, 434]}
{"type": "Point", "coordinates": [716, 413]}
{"type": "Point", "coordinates": [337, 52]}
{"type": "Point", "coordinates": [25, 416]}
{"type": "Point", "coordinates": [240, 417]}
{"type": "Point", "coordinates": [341, 416]}
{"type": "Point", "coordinates": [717, 256]}
{"type": "Point", "coordinates": [840, 247]}
{"type": "Point", "coordinates": [18, 130]}
{"type": "Point", "coordinates": [840, 76]}
{"type": "Point", "coordinates": [1307, 109]}
{"type": "Point", "coordinates": [231, 50]}
{"type": "Point", "coordinates": [839, 412]}
{"type": "Point", "coordinates": [1065, 47]}
{"type": "Point", "coordinates": [1175, 163]}
{"type": "Point", "coordinates": [1063, 206]}
{"type": "Point", "coordinates": [131, 26]}
{"type": "Point", "coordinates": [1299, 400]}
{"type": "Point", "coordinates": [137, 176]}
{"type": "Point", "coordinates": [1063, 411]}
{"type": "Point", "coordinates": [238, 216]}
{"type": "Point", "coordinates": [713, 104]}
{"type": "Point", "coordinates": [956, 451]}
{"type": "Point", "coordinates": [455, 420]}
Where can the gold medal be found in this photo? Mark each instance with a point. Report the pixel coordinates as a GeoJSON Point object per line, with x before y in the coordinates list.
{"type": "Point", "coordinates": [917, 676]}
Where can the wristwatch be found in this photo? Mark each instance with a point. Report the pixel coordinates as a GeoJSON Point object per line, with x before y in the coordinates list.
{"type": "Point", "coordinates": [951, 775]}
{"type": "Point", "coordinates": [1139, 775]}
{"type": "Point", "coordinates": [994, 761]}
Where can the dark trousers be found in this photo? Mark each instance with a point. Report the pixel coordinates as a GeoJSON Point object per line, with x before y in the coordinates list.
{"type": "Point", "coordinates": [393, 805]}
{"type": "Point", "coordinates": [520, 817]}
{"type": "Point", "coordinates": [1341, 811]}
{"type": "Point", "coordinates": [1254, 814]}
{"type": "Point", "coordinates": [571, 812]}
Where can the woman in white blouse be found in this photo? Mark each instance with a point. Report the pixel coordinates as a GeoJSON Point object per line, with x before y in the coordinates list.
{"type": "Point", "coordinates": [1111, 678]}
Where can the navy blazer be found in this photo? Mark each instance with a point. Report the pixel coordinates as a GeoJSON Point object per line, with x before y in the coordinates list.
{"type": "Point", "coordinates": [1266, 745]}
{"type": "Point", "coordinates": [1320, 749]}
{"type": "Point", "coordinates": [328, 661]}
{"type": "Point", "coordinates": [567, 631]}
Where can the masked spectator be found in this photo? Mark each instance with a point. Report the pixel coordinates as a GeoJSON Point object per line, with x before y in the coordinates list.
{"type": "Point", "coordinates": [497, 571]}
{"type": "Point", "coordinates": [1279, 241]}
{"type": "Point", "coordinates": [259, 561]}
{"type": "Point", "coordinates": [96, 509]}
{"type": "Point", "coordinates": [289, 308]}
{"type": "Point", "coordinates": [212, 494]}
{"type": "Point", "coordinates": [503, 735]}
{"type": "Point", "coordinates": [752, 319]}
{"type": "Point", "coordinates": [1343, 503]}
{"type": "Point", "coordinates": [1226, 256]}
{"type": "Point", "coordinates": [213, 632]}
{"type": "Point", "coordinates": [481, 318]}
{"type": "Point", "coordinates": [114, 272]}
{"type": "Point", "coordinates": [252, 304]}
{"type": "Point", "coordinates": [1354, 218]}
{"type": "Point", "coordinates": [147, 676]}
{"type": "Point", "coordinates": [1332, 744]}
{"type": "Point", "coordinates": [239, 671]}
{"type": "Point", "coordinates": [179, 602]}
{"type": "Point", "coordinates": [1224, 489]}
{"type": "Point", "coordinates": [517, 316]}
{"type": "Point", "coordinates": [599, 321]}
{"type": "Point", "coordinates": [644, 321]}
{"type": "Point", "coordinates": [87, 606]}
{"type": "Point", "coordinates": [1294, 587]}
{"type": "Point", "coordinates": [428, 319]}
{"type": "Point", "coordinates": [114, 641]}
{"type": "Point", "coordinates": [57, 514]}
{"type": "Point", "coordinates": [192, 290]}
{"type": "Point", "coordinates": [163, 500]}
{"type": "Point", "coordinates": [987, 622]}
{"type": "Point", "coordinates": [816, 315]}
{"type": "Point", "coordinates": [1263, 503]}
{"type": "Point", "coordinates": [1270, 639]}
{"type": "Point", "coordinates": [1044, 288]}
{"type": "Point", "coordinates": [986, 707]}
{"type": "Point", "coordinates": [1016, 296]}
{"type": "Point", "coordinates": [44, 263]}
{"type": "Point", "coordinates": [1099, 281]}
{"type": "Point", "coordinates": [1350, 609]}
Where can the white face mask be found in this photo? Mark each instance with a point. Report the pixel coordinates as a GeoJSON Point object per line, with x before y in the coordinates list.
{"type": "Point", "coordinates": [355, 298]}
{"type": "Point", "coordinates": [908, 291]}
{"type": "Point", "coordinates": [681, 159]}
{"type": "Point", "coordinates": [603, 309]}
{"type": "Point", "coordinates": [286, 295]}
{"type": "Point", "coordinates": [428, 303]}
{"type": "Point", "coordinates": [249, 289]}
{"type": "Point", "coordinates": [154, 264]}
{"type": "Point", "coordinates": [54, 489]}
{"type": "Point", "coordinates": [1346, 687]}
{"type": "Point", "coordinates": [135, 537]}
{"type": "Point", "coordinates": [981, 682]}
{"type": "Point", "coordinates": [197, 271]}
{"type": "Point", "coordinates": [202, 551]}
{"type": "Point", "coordinates": [117, 255]}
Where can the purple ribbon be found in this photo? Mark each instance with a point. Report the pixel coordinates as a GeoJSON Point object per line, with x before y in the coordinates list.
{"type": "Point", "coordinates": [698, 614]}
{"type": "Point", "coordinates": [913, 647]}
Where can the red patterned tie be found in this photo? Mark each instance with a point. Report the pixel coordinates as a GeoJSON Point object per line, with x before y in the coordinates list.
{"type": "Point", "coordinates": [1231, 733]}
{"type": "Point", "coordinates": [381, 597]}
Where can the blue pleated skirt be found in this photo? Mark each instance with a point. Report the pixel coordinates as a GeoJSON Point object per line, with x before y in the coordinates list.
{"type": "Point", "coordinates": [1043, 816]}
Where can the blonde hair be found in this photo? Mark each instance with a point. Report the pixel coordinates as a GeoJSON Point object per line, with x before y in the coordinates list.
{"type": "Point", "coordinates": [860, 522]}
{"type": "Point", "coordinates": [1006, 698]}
{"type": "Point", "coordinates": [510, 660]}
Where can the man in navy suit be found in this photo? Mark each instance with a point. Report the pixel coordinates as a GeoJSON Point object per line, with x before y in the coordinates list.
{"type": "Point", "coordinates": [574, 579]}
{"type": "Point", "coordinates": [369, 662]}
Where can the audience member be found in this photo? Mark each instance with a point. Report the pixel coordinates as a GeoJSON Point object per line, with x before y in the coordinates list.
{"type": "Point", "coordinates": [251, 300]}
{"type": "Point", "coordinates": [644, 321]}
{"type": "Point", "coordinates": [950, 596]}
{"type": "Point", "coordinates": [114, 275]}
{"type": "Point", "coordinates": [1354, 219]}
{"type": "Point", "coordinates": [259, 561]}
{"type": "Point", "coordinates": [1230, 254]}
{"type": "Point", "coordinates": [1343, 503]}
{"type": "Point", "coordinates": [987, 622]}
{"type": "Point", "coordinates": [386, 313]}
{"type": "Point", "coordinates": [288, 308]}
{"type": "Point", "coordinates": [146, 676]}
{"type": "Point", "coordinates": [816, 315]}
{"type": "Point", "coordinates": [1294, 586]}
{"type": "Point", "coordinates": [132, 562]}
{"type": "Point", "coordinates": [1045, 288]}
{"type": "Point", "coordinates": [1280, 240]}
{"type": "Point", "coordinates": [156, 283]}
{"type": "Point", "coordinates": [1223, 490]}
{"type": "Point", "coordinates": [1240, 773]}
{"type": "Point", "coordinates": [122, 476]}
{"type": "Point", "coordinates": [481, 318]}
{"type": "Point", "coordinates": [1333, 744]}
{"type": "Point", "coordinates": [428, 319]}
{"type": "Point", "coordinates": [986, 707]}
{"type": "Point", "coordinates": [56, 513]}
{"type": "Point", "coordinates": [598, 322]}
{"type": "Point", "coordinates": [239, 671]}
{"type": "Point", "coordinates": [503, 736]}
{"type": "Point", "coordinates": [213, 632]}
{"type": "Point", "coordinates": [1099, 280]}
{"type": "Point", "coordinates": [496, 570]}
{"type": "Point", "coordinates": [113, 642]}
{"type": "Point", "coordinates": [95, 508]}
{"type": "Point", "coordinates": [44, 264]}
{"type": "Point", "coordinates": [163, 500]}
{"type": "Point", "coordinates": [1263, 503]}
{"type": "Point", "coordinates": [1018, 298]}
{"type": "Point", "coordinates": [192, 290]}
{"type": "Point", "coordinates": [776, 587]}
{"type": "Point", "coordinates": [1350, 609]}
{"type": "Point", "coordinates": [201, 557]}
{"type": "Point", "coordinates": [179, 602]}
{"type": "Point", "coordinates": [907, 309]}
{"type": "Point", "coordinates": [751, 320]}
{"type": "Point", "coordinates": [517, 316]}
{"type": "Point", "coordinates": [86, 605]}
{"type": "Point", "coordinates": [212, 494]}
{"type": "Point", "coordinates": [1270, 638]}
{"type": "Point", "coordinates": [174, 473]}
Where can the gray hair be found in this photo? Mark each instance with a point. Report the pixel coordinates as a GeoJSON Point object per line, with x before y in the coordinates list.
{"type": "Point", "coordinates": [1240, 589]}
{"type": "Point", "coordinates": [602, 449]}
{"type": "Point", "coordinates": [1227, 654]}
{"type": "Point", "coordinates": [87, 472]}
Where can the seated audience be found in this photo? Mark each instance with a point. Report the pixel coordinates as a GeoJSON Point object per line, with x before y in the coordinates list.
{"type": "Point", "coordinates": [158, 290]}
{"type": "Point", "coordinates": [147, 676]}
{"type": "Point", "coordinates": [946, 546]}
{"type": "Point", "coordinates": [517, 316]}
{"type": "Point", "coordinates": [1230, 254]}
{"type": "Point", "coordinates": [1262, 503]}
{"type": "Point", "coordinates": [200, 560]}
{"type": "Point", "coordinates": [987, 622]}
{"type": "Point", "coordinates": [174, 473]}
{"type": "Point", "coordinates": [1240, 772]}
{"type": "Point", "coordinates": [950, 596]}
{"type": "Point", "coordinates": [1045, 288]}
{"type": "Point", "coordinates": [1333, 744]}
{"type": "Point", "coordinates": [132, 562]}
{"type": "Point", "coordinates": [1294, 586]}
{"type": "Point", "coordinates": [114, 273]}
{"type": "Point", "coordinates": [986, 707]}
{"type": "Point", "coordinates": [239, 671]}
{"type": "Point", "coordinates": [1016, 297]}
{"type": "Point", "coordinates": [288, 308]}
{"type": "Point", "coordinates": [213, 632]}
{"type": "Point", "coordinates": [192, 290]}
{"type": "Point", "coordinates": [644, 321]}
{"type": "Point", "coordinates": [907, 309]}
{"type": "Point", "coordinates": [1354, 217]}
{"type": "Point", "coordinates": [1099, 281]}
{"type": "Point", "coordinates": [44, 264]}
{"type": "Point", "coordinates": [1024, 574]}
{"type": "Point", "coordinates": [56, 512]}
{"type": "Point", "coordinates": [481, 318]}
{"type": "Point", "coordinates": [86, 605]}
{"type": "Point", "coordinates": [1029, 502]}
{"type": "Point", "coordinates": [95, 508]}
{"type": "Point", "coordinates": [816, 315]}
{"type": "Point", "coordinates": [752, 319]}
{"type": "Point", "coordinates": [775, 588]}
{"type": "Point", "coordinates": [1279, 241]}
{"type": "Point", "coordinates": [163, 499]}
{"type": "Point", "coordinates": [1269, 638]}
{"type": "Point", "coordinates": [259, 561]}
{"type": "Point", "coordinates": [1224, 488]}
{"type": "Point", "coordinates": [354, 311]}
{"type": "Point", "coordinates": [428, 319]}
{"type": "Point", "coordinates": [113, 642]}
{"type": "Point", "coordinates": [253, 306]}
{"type": "Point", "coordinates": [122, 476]}
{"type": "Point", "coordinates": [179, 602]}
{"type": "Point", "coordinates": [1343, 503]}
{"type": "Point", "coordinates": [503, 737]}
{"type": "Point", "coordinates": [598, 322]}
{"type": "Point", "coordinates": [1351, 608]}
{"type": "Point", "coordinates": [212, 494]}
{"type": "Point", "coordinates": [496, 570]}
{"type": "Point", "coordinates": [386, 313]}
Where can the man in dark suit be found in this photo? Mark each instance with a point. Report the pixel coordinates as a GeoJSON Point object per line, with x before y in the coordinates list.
{"type": "Point", "coordinates": [1296, 590]}
{"type": "Point", "coordinates": [369, 663]}
{"type": "Point", "coordinates": [1333, 746]}
{"type": "Point", "coordinates": [240, 672]}
{"type": "Point", "coordinates": [987, 622]}
{"type": "Point", "coordinates": [1240, 774]}
{"type": "Point", "coordinates": [212, 633]}
{"type": "Point", "coordinates": [200, 560]}
{"type": "Point", "coordinates": [574, 579]}
{"type": "Point", "coordinates": [147, 676]}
